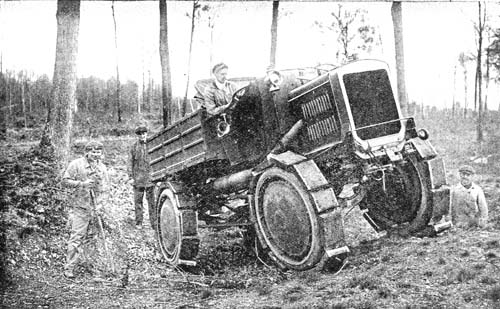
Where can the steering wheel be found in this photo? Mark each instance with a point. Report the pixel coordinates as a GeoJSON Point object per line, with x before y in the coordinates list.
{"type": "Point", "coordinates": [236, 97]}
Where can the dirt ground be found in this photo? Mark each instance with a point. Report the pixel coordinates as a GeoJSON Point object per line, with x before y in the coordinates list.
{"type": "Point", "coordinates": [457, 269]}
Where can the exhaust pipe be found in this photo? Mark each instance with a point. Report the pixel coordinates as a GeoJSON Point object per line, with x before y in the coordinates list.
{"type": "Point", "coordinates": [232, 183]}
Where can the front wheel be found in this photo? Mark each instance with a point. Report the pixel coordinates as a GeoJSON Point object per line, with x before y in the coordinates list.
{"type": "Point", "coordinates": [287, 221]}
{"type": "Point", "coordinates": [402, 200]}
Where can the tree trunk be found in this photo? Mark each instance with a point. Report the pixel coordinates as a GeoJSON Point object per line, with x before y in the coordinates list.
{"type": "Point", "coordinates": [166, 77]}
{"type": "Point", "coordinates": [487, 77]}
{"type": "Point", "coordinates": [193, 17]}
{"type": "Point", "coordinates": [466, 102]}
{"type": "Point", "coordinates": [58, 129]}
{"type": "Point", "coordinates": [274, 34]}
{"type": "Point", "coordinates": [211, 26]}
{"type": "Point", "coordinates": [397, 22]}
{"type": "Point", "coordinates": [453, 104]}
{"type": "Point", "coordinates": [118, 105]}
{"type": "Point", "coordinates": [23, 100]}
{"type": "Point", "coordinates": [3, 107]}
{"type": "Point", "coordinates": [479, 75]}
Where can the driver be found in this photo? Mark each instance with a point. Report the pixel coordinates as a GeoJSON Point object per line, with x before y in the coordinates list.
{"type": "Point", "coordinates": [216, 95]}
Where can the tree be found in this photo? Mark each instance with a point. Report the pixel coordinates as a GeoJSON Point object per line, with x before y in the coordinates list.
{"type": "Point", "coordinates": [60, 113]}
{"type": "Point", "coordinates": [166, 80]}
{"type": "Point", "coordinates": [397, 22]}
{"type": "Point", "coordinates": [211, 13]}
{"type": "Point", "coordinates": [3, 107]}
{"type": "Point", "coordinates": [463, 59]}
{"type": "Point", "coordinates": [353, 34]}
{"type": "Point", "coordinates": [196, 5]}
{"type": "Point", "coordinates": [118, 107]}
{"type": "Point", "coordinates": [274, 33]}
{"type": "Point", "coordinates": [480, 29]}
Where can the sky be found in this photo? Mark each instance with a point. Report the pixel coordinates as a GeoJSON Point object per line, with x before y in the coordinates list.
{"type": "Point", "coordinates": [434, 35]}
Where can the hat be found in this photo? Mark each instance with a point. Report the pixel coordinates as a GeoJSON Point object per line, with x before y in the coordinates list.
{"type": "Point", "coordinates": [140, 130]}
{"type": "Point", "coordinates": [93, 145]}
{"type": "Point", "coordinates": [218, 67]}
{"type": "Point", "coordinates": [466, 169]}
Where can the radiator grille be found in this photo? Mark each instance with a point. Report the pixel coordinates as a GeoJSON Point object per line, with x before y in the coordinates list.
{"type": "Point", "coordinates": [319, 116]}
{"type": "Point", "coordinates": [316, 106]}
{"type": "Point", "coordinates": [322, 128]}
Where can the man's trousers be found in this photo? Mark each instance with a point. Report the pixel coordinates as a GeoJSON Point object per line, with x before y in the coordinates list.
{"type": "Point", "coordinates": [138, 198]}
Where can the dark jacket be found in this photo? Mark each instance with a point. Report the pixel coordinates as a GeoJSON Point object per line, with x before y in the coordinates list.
{"type": "Point", "coordinates": [138, 167]}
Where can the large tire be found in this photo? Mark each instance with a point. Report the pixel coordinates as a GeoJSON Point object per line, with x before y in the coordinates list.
{"type": "Point", "coordinates": [176, 228]}
{"type": "Point", "coordinates": [169, 226]}
{"type": "Point", "coordinates": [406, 205]}
{"type": "Point", "coordinates": [287, 222]}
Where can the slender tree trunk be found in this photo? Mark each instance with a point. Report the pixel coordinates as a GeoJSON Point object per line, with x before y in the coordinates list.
{"type": "Point", "coordinates": [211, 25]}
{"type": "Point", "coordinates": [9, 96]}
{"type": "Point", "coordinates": [23, 100]}
{"type": "Point", "coordinates": [118, 86]}
{"type": "Point", "coordinates": [30, 102]}
{"type": "Point", "coordinates": [487, 86]}
{"type": "Point", "coordinates": [3, 107]}
{"type": "Point", "coordinates": [274, 33]}
{"type": "Point", "coordinates": [466, 102]}
{"type": "Point", "coordinates": [166, 78]}
{"type": "Point", "coordinates": [58, 129]}
{"type": "Point", "coordinates": [479, 75]}
{"type": "Point", "coordinates": [143, 96]}
{"type": "Point", "coordinates": [150, 91]}
{"type": "Point", "coordinates": [193, 19]}
{"type": "Point", "coordinates": [453, 104]}
{"type": "Point", "coordinates": [397, 22]}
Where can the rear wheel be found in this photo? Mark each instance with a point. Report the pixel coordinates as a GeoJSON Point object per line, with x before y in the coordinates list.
{"type": "Point", "coordinates": [176, 229]}
{"type": "Point", "coordinates": [405, 204]}
{"type": "Point", "coordinates": [287, 221]}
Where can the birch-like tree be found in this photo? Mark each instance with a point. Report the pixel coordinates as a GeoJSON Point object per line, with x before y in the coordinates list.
{"type": "Point", "coordinates": [478, 98]}
{"type": "Point", "coordinates": [351, 31]}
{"type": "Point", "coordinates": [3, 107]}
{"type": "Point", "coordinates": [166, 77]}
{"type": "Point", "coordinates": [60, 112]}
{"type": "Point", "coordinates": [194, 15]}
{"type": "Point", "coordinates": [118, 86]}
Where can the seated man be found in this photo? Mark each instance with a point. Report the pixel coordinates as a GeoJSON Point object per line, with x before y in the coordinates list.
{"type": "Point", "coordinates": [216, 94]}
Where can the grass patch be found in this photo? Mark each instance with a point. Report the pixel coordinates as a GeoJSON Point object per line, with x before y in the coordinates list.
{"type": "Point", "coordinates": [464, 275]}
{"type": "Point", "coordinates": [364, 282]}
{"type": "Point", "coordinates": [488, 280]}
{"type": "Point", "coordinates": [293, 294]}
{"type": "Point", "coordinates": [494, 294]}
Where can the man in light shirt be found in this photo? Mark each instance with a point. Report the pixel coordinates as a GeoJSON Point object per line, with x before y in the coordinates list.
{"type": "Point", "coordinates": [216, 94]}
{"type": "Point", "coordinates": [468, 204]}
{"type": "Point", "coordinates": [87, 179]}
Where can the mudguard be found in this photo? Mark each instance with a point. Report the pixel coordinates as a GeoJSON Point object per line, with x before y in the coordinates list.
{"type": "Point", "coordinates": [441, 193]}
{"type": "Point", "coordinates": [323, 197]}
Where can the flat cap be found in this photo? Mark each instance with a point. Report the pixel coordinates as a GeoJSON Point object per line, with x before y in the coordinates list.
{"type": "Point", "coordinates": [466, 169]}
{"type": "Point", "coordinates": [93, 145]}
{"type": "Point", "coordinates": [141, 129]}
{"type": "Point", "coordinates": [218, 67]}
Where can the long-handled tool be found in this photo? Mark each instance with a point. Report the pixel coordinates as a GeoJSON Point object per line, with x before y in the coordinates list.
{"type": "Point", "coordinates": [101, 230]}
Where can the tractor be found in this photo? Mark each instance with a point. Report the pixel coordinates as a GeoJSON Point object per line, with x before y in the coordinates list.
{"type": "Point", "coordinates": [290, 153]}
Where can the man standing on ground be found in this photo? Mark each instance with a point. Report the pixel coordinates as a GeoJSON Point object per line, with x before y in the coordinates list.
{"type": "Point", "coordinates": [87, 178]}
{"type": "Point", "coordinates": [468, 204]}
{"type": "Point", "coordinates": [139, 173]}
